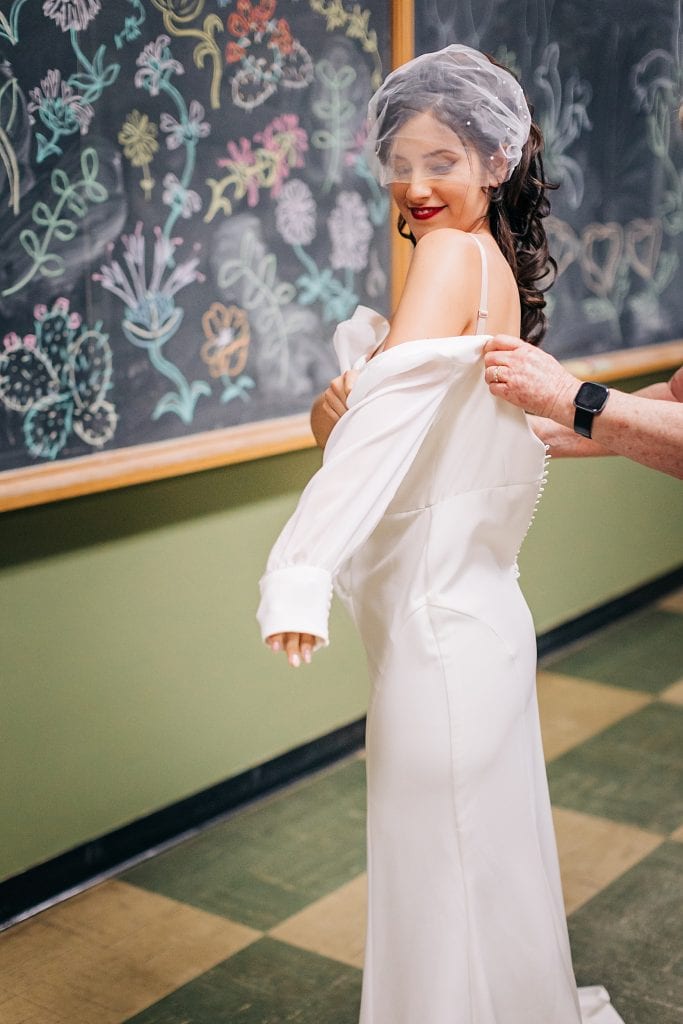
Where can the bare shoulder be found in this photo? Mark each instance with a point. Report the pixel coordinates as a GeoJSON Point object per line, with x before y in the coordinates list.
{"type": "Point", "coordinates": [441, 292]}
{"type": "Point", "coordinates": [456, 248]}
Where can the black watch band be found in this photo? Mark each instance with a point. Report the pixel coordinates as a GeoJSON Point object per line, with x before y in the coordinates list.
{"type": "Point", "coordinates": [589, 401]}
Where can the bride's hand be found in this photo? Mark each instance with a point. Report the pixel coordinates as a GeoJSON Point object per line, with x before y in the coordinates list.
{"type": "Point", "coordinates": [297, 646]}
{"type": "Point", "coordinates": [330, 406]}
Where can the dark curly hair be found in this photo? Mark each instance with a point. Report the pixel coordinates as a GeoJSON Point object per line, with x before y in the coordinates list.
{"type": "Point", "coordinates": [516, 211]}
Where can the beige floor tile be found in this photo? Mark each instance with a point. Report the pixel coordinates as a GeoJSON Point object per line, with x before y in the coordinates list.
{"type": "Point", "coordinates": [673, 603]}
{"type": "Point", "coordinates": [19, 1010]}
{"type": "Point", "coordinates": [573, 710]}
{"type": "Point", "coordinates": [678, 834]}
{"type": "Point", "coordinates": [333, 926]}
{"type": "Point", "coordinates": [674, 693]}
{"type": "Point", "coordinates": [594, 851]}
{"type": "Point", "coordinates": [108, 953]}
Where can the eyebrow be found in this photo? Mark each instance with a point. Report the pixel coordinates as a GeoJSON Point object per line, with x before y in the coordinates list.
{"type": "Point", "coordinates": [435, 152]}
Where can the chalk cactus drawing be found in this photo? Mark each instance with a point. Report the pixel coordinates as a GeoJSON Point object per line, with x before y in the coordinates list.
{"type": "Point", "coordinates": [57, 378]}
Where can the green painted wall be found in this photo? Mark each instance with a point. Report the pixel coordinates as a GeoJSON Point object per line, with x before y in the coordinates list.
{"type": "Point", "coordinates": [132, 674]}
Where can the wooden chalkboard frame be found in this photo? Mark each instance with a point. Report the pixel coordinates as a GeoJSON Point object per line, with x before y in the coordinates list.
{"type": "Point", "coordinates": [137, 464]}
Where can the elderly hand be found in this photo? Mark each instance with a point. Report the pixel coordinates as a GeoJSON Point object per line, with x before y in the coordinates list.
{"type": "Point", "coordinates": [297, 646]}
{"type": "Point", "coordinates": [529, 378]}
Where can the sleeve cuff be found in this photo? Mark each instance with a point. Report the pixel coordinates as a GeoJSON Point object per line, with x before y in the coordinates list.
{"type": "Point", "coordinates": [296, 599]}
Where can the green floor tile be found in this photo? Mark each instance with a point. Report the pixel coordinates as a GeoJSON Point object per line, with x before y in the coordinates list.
{"type": "Point", "coordinates": [629, 938]}
{"type": "Point", "coordinates": [644, 652]}
{"type": "Point", "coordinates": [267, 983]}
{"type": "Point", "coordinates": [272, 859]}
{"type": "Point", "coordinates": [631, 772]}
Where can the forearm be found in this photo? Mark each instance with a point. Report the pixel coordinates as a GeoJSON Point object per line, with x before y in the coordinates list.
{"type": "Point", "coordinates": [562, 442]}
{"type": "Point", "coordinates": [646, 431]}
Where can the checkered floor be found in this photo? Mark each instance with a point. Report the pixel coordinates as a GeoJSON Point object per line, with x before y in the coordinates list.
{"type": "Point", "coordinates": [259, 919]}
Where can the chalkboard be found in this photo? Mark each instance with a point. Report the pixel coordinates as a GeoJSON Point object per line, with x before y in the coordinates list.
{"type": "Point", "coordinates": [185, 214]}
{"type": "Point", "coordinates": [605, 79]}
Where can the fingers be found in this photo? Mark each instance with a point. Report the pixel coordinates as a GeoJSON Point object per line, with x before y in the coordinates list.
{"type": "Point", "coordinates": [348, 380]}
{"type": "Point", "coordinates": [502, 343]}
{"type": "Point", "coordinates": [297, 646]}
{"type": "Point", "coordinates": [335, 397]}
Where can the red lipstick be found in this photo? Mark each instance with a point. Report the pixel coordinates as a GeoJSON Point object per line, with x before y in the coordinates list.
{"type": "Point", "coordinates": [425, 212]}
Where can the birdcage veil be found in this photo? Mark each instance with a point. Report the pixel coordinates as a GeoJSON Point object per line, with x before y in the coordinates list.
{"type": "Point", "coordinates": [477, 101]}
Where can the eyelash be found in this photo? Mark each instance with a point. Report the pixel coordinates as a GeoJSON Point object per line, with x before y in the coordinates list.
{"type": "Point", "coordinates": [402, 172]}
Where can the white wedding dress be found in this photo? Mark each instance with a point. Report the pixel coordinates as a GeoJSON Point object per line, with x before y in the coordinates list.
{"type": "Point", "coordinates": [425, 495]}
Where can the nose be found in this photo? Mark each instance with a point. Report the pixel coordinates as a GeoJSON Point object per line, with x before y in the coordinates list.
{"type": "Point", "coordinates": [418, 188]}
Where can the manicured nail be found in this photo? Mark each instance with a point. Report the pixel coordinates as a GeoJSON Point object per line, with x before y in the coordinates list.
{"type": "Point", "coordinates": [307, 655]}
{"type": "Point", "coordinates": [295, 661]}
{"type": "Point", "coordinates": [276, 645]}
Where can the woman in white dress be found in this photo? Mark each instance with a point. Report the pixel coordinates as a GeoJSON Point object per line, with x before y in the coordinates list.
{"type": "Point", "coordinates": [427, 489]}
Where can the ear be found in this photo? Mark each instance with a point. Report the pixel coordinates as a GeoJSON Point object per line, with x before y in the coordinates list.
{"type": "Point", "coordinates": [497, 168]}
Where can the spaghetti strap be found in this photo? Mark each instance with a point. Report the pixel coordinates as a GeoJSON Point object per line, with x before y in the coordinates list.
{"type": "Point", "coordinates": [483, 311]}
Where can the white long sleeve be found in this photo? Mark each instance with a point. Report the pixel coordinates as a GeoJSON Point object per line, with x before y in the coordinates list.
{"type": "Point", "coordinates": [371, 448]}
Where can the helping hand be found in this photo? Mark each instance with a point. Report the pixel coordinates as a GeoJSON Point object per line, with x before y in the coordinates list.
{"type": "Point", "coordinates": [529, 378]}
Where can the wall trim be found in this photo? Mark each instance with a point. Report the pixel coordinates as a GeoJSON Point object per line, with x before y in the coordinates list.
{"type": "Point", "coordinates": [41, 886]}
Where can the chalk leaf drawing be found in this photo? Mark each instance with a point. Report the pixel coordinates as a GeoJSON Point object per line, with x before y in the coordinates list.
{"type": "Point", "coordinates": [226, 349]}
{"type": "Point", "coordinates": [9, 23]}
{"type": "Point", "coordinates": [657, 81]}
{"type": "Point", "coordinates": [563, 116]}
{"type": "Point", "coordinates": [11, 109]}
{"type": "Point", "coordinates": [356, 24]}
{"type": "Point", "coordinates": [59, 222]}
{"type": "Point", "coordinates": [338, 114]}
{"type": "Point", "coordinates": [132, 25]}
{"type": "Point", "coordinates": [152, 317]}
{"type": "Point", "coordinates": [58, 378]}
{"type": "Point", "coordinates": [254, 274]}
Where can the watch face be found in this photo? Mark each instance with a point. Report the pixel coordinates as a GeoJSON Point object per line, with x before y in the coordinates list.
{"type": "Point", "coordinates": [591, 396]}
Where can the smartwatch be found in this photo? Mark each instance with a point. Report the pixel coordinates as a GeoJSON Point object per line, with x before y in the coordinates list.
{"type": "Point", "coordinates": [589, 401]}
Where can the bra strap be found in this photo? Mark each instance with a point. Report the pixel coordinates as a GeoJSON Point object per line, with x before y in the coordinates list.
{"type": "Point", "coordinates": [483, 311]}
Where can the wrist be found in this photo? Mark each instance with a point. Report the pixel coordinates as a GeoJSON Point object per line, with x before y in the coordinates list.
{"type": "Point", "coordinates": [562, 410]}
{"type": "Point", "coordinates": [589, 401]}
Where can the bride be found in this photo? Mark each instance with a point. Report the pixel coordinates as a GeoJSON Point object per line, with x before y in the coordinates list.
{"type": "Point", "coordinates": [427, 489]}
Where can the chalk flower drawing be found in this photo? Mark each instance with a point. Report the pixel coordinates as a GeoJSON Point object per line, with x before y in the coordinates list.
{"type": "Point", "coordinates": [295, 213]}
{"type": "Point", "coordinates": [283, 144]}
{"type": "Point", "coordinates": [226, 349]}
{"type": "Point", "coordinates": [58, 378]}
{"type": "Point", "coordinates": [190, 130]}
{"type": "Point", "coordinates": [184, 199]}
{"type": "Point", "coordinates": [68, 14]}
{"type": "Point", "coordinates": [156, 65]}
{"type": "Point", "coordinates": [152, 317]}
{"type": "Point", "coordinates": [60, 108]}
{"type": "Point", "coordinates": [267, 53]}
{"type": "Point", "coordinates": [351, 232]}
{"type": "Point", "coordinates": [138, 136]}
